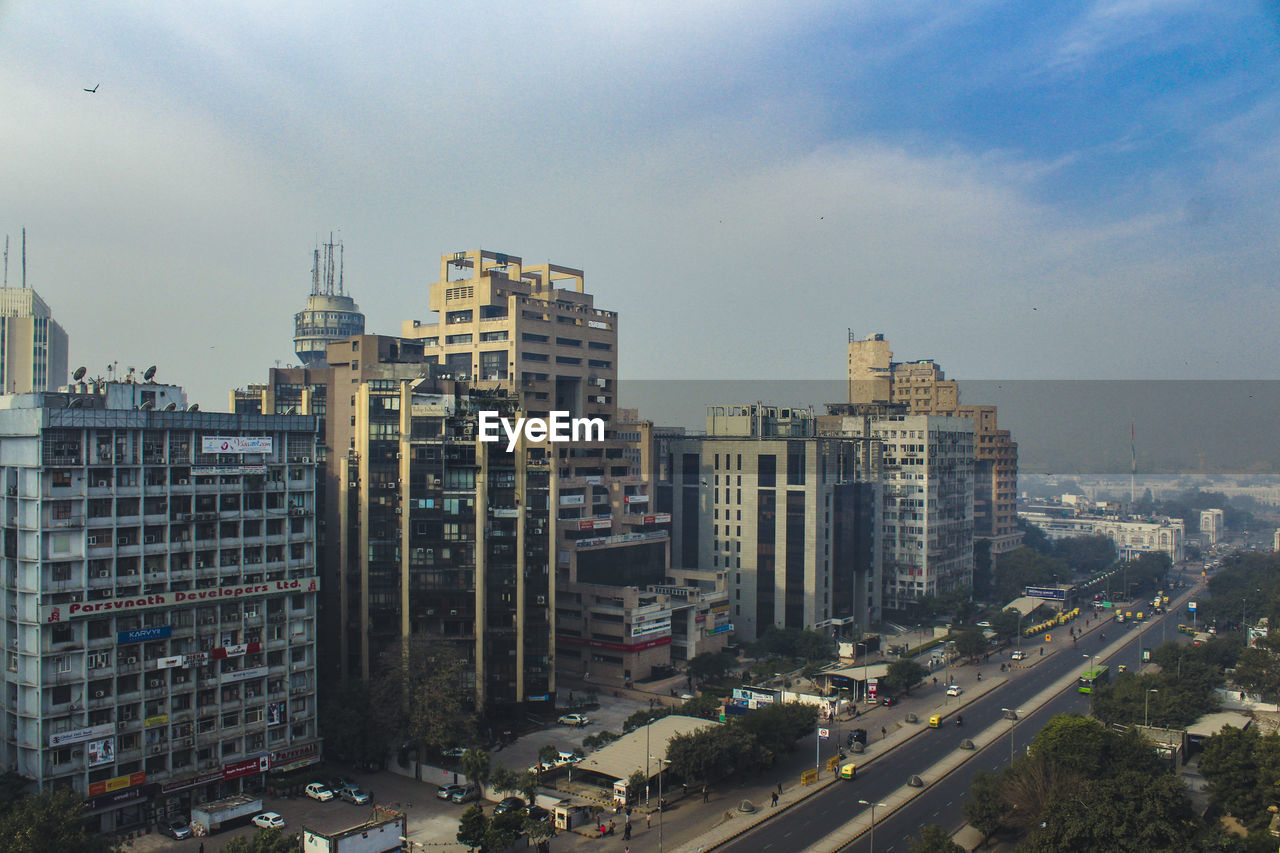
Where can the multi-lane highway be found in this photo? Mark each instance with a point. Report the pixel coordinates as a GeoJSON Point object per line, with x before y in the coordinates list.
{"type": "Point", "coordinates": [822, 813]}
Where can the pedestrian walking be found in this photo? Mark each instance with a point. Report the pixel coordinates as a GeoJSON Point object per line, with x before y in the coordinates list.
{"type": "Point", "coordinates": [883, 733]}
{"type": "Point", "coordinates": [779, 786]}
{"type": "Point", "coordinates": [648, 820]}
{"type": "Point", "coordinates": [705, 793]}
{"type": "Point", "coordinates": [201, 847]}
{"type": "Point", "coordinates": [626, 832]}
{"type": "Point", "coordinates": [775, 799]}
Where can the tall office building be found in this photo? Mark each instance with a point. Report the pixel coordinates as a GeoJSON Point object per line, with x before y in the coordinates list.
{"type": "Point", "coordinates": [789, 518]}
{"type": "Point", "coordinates": [923, 389]}
{"type": "Point", "coordinates": [926, 524]}
{"type": "Point", "coordinates": [33, 347]}
{"type": "Point", "coordinates": [330, 314]}
{"type": "Point", "coordinates": [159, 597]}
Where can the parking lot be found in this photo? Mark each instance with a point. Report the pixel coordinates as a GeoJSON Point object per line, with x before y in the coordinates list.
{"type": "Point", "coordinates": [431, 821]}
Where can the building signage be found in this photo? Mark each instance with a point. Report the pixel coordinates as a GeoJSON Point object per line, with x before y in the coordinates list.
{"type": "Point", "coordinates": [506, 512]}
{"type": "Point", "coordinates": [53, 613]}
{"type": "Point", "coordinates": [660, 518]}
{"type": "Point", "coordinates": [306, 754]}
{"type": "Point", "coordinates": [235, 444]}
{"type": "Point", "coordinates": [195, 659]}
{"type": "Point", "coordinates": [157, 720]}
{"type": "Point", "coordinates": [572, 500]}
{"type": "Point", "coordinates": [119, 798]}
{"type": "Point", "coordinates": [1046, 592]}
{"type": "Point", "coordinates": [615, 647]}
{"type": "Point", "coordinates": [214, 470]}
{"type": "Point", "coordinates": [244, 674]}
{"type": "Point", "coordinates": [595, 524]}
{"type": "Point", "coordinates": [232, 651]}
{"type": "Point", "coordinates": [203, 779]}
{"type": "Point", "coordinates": [653, 625]}
{"type": "Point", "coordinates": [248, 767]}
{"type": "Point", "coordinates": [637, 499]}
{"type": "Point", "coordinates": [100, 752]}
{"type": "Point", "coordinates": [119, 783]}
{"type": "Point", "coordinates": [77, 735]}
{"type": "Point", "coordinates": [277, 713]}
{"type": "Point", "coordinates": [760, 697]}
{"type": "Point", "coordinates": [142, 634]}
{"type": "Point", "coordinates": [169, 662]}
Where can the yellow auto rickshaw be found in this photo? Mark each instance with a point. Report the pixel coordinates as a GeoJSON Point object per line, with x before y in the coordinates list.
{"type": "Point", "coordinates": [935, 720]}
{"type": "Point", "coordinates": [849, 771]}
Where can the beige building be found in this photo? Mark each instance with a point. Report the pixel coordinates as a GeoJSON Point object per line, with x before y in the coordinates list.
{"type": "Point", "coordinates": [1131, 537]}
{"type": "Point", "coordinates": [33, 347]}
{"type": "Point", "coordinates": [789, 518]}
{"type": "Point", "coordinates": [923, 388]}
{"type": "Point", "coordinates": [1212, 526]}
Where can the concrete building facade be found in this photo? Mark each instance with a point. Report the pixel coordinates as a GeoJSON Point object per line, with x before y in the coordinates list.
{"type": "Point", "coordinates": [789, 518]}
{"type": "Point", "coordinates": [33, 347]}
{"type": "Point", "coordinates": [1131, 536]}
{"type": "Point", "coordinates": [1212, 526]}
{"type": "Point", "coordinates": [330, 315]}
{"type": "Point", "coordinates": [160, 598]}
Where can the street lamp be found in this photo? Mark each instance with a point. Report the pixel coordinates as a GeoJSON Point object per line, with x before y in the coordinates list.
{"type": "Point", "coordinates": [873, 821]}
{"type": "Point", "coordinates": [1146, 702]}
{"type": "Point", "coordinates": [1012, 714]}
{"type": "Point", "coordinates": [662, 763]}
{"type": "Point", "coordinates": [863, 646]}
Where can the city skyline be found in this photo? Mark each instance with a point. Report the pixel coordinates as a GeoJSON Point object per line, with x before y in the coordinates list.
{"type": "Point", "coordinates": [1088, 196]}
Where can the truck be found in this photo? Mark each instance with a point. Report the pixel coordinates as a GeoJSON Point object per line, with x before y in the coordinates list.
{"type": "Point", "coordinates": [226, 813]}
{"type": "Point", "coordinates": [381, 834]}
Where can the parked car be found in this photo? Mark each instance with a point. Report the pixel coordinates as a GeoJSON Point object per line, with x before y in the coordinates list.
{"type": "Point", "coordinates": [538, 813]}
{"type": "Point", "coordinates": [337, 783]}
{"type": "Point", "coordinates": [567, 758]}
{"type": "Point", "coordinates": [509, 804]}
{"type": "Point", "coordinates": [446, 792]}
{"type": "Point", "coordinates": [1018, 654]}
{"type": "Point", "coordinates": [954, 690]}
{"type": "Point", "coordinates": [317, 791]}
{"type": "Point", "coordinates": [175, 827]}
{"type": "Point", "coordinates": [269, 820]}
{"type": "Point", "coordinates": [354, 795]}
{"type": "Point", "coordinates": [576, 720]}
{"type": "Point", "coordinates": [984, 624]}
{"type": "Point", "coordinates": [465, 795]}
{"type": "Point", "coordinates": [454, 752]}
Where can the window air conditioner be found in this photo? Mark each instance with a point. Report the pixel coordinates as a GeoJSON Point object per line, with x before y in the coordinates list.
{"type": "Point", "coordinates": [102, 484]}
{"type": "Point", "coordinates": [98, 694]}
{"type": "Point", "coordinates": [131, 659]}
{"type": "Point", "coordinates": [306, 460]}
{"type": "Point", "coordinates": [104, 573]}
{"type": "Point", "coordinates": [123, 540]}
{"type": "Point", "coordinates": [93, 540]}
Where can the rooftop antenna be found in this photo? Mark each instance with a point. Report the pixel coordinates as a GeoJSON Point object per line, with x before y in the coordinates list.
{"type": "Point", "coordinates": [340, 250]}
{"type": "Point", "coordinates": [1133, 462]}
{"type": "Point", "coordinates": [6, 260]}
{"type": "Point", "coordinates": [24, 257]}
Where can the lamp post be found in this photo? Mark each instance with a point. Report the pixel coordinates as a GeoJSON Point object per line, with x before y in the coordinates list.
{"type": "Point", "coordinates": [873, 821]}
{"type": "Point", "coordinates": [1013, 715]}
{"type": "Point", "coordinates": [662, 765]}
{"type": "Point", "coordinates": [1146, 703]}
{"type": "Point", "coordinates": [863, 646]}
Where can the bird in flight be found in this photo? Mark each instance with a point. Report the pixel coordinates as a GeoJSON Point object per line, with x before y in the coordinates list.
{"type": "Point", "coordinates": [94, 89]}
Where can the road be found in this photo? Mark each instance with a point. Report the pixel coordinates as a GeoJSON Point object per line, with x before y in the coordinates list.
{"type": "Point", "coordinates": [824, 812]}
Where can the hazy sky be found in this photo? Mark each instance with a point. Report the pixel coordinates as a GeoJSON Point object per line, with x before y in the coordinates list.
{"type": "Point", "coordinates": [1017, 189]}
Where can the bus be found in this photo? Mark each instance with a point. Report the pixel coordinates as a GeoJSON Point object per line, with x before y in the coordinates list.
{"type": "Point", "coordinates": [1093, 678]}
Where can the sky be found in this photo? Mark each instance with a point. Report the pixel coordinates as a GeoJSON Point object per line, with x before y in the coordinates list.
{"type": "Point", "coordinates": [1019, 190]}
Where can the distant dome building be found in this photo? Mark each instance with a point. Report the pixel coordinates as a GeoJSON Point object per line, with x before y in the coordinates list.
{"type": "Point", "coordinates": [330, 314]}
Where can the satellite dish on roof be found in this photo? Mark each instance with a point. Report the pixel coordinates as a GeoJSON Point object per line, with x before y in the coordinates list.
{"type": "Point", "coordinates": [170, 406]}
{"type": "Point", "coordinates": [79, 374]}
{"type": "Point", "coordinates": [150, 372]}
{"type": "Point", "coordinates": [194, 407]}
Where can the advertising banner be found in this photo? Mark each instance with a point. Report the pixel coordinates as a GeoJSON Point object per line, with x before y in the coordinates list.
{"type": "Point", "coordinates": [78, 735]}
{"type": "Point", "coordinates": [235, 444]}
{"type": "Point", "coordinates": [100, 752]}
{"type": "Point", "coordinates": [54, 613]}
{"type": "Point", "coordinates": [140, 635]}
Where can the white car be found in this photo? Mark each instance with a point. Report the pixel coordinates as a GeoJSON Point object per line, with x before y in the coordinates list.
{"type": "Point", "coordinates": [984, 624]}
{"type": "Point", "coordinates": [1018, 654]}
{"type": "Point", "coordinates": [576, 720]}
{"type": "Point", "coordinates": [954, 690]}
{"type": "Point", "coordinates": [318, 791]}
{"type": "Point", "coordinates": [269, 820]}
{"type": "Point", "coordinates": [567, 758]}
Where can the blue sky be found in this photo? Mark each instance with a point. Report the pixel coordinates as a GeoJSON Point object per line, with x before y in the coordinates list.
{"type": "Point", "coordinates": [1017, 189]}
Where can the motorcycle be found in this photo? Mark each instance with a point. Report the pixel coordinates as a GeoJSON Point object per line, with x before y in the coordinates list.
{"type": "Point", "coordinates": [959, 721]}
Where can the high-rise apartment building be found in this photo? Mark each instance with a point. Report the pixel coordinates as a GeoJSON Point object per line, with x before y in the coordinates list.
{"type": "Point", "coordinates": [789, 518]}
{"type": "Point", "coordinates": [331, 314]}
{"type": "Point", "coordinates": [923, 389]}
{"type": "Point", "coordinates": [926, 521]}
{"type": "Point", "coordinates": [33, 347]}
{"type": "Point", "coordinates": [159, 598]}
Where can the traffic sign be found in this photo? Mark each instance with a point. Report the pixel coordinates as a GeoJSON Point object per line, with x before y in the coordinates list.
{"type": "Point", "coordinates": [824, 733]}
{"type": "Point", "coordinates": [1191, 605]}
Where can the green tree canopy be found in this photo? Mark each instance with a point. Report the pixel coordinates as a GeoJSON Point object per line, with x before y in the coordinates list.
{"type": "Point", "coordinates": [421, 693]}
{"type": "Point", "coordinates": [476, 767]}
{"type": "Point", "coordinates": [473, 827]}
{"type": "Point", "coordinates": [710, 665]}
{"type": "Point", "coordinates": [971, 643]}
{"type": "Point", "coordinates": [714, 753]}
{"type": "Point", "coordinates": [263, 841]}
{"type": "Point", "coordinates": [50, 820]}
{"type": "Point", "coordinates": [902, 675]}
{"type": "Point", "coordinates": [934, 839]}
{"type": "Point", "coordinates": [776, 728]}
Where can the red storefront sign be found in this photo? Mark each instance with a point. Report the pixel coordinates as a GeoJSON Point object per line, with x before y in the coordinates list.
{"type": "Point", "coordinates": [182, 785]}
{"type": "Point", "coordinates": [288, 756]}
{"type": "Point", "coordinates": [616, 647]}
{"type": "Point", "coordinates": [248, 767]}
{"type": "Point", "coordinates": [97, 789]}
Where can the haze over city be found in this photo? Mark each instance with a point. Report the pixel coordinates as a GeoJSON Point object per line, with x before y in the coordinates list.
{"type": "Point", "coordinates": [1017, 190]}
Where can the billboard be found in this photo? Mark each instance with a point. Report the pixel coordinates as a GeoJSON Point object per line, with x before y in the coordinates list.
{"type": "Point", "coordinates": [235, 444]}
{"type": "Point", "coordinates": [54, 613]}
{"type": "Point", "coordinates": [1046, 592]}
{"type": "Point", "coordinates": [100, 752]}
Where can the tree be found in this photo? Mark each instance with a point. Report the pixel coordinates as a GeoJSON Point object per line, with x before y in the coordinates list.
{"type": "Point", "coordinates": [503, 830]}
{"type": "Point", "coordinates": [1258, 671]}
{"type": "Point", "coordinates": [984, 808]}
{"type": "Point", "coordinates": [902, 675]}
{"type": "Point", "coordinates": [344, 722]}
{"type": "Point", "coordinates": [475, 766]}
{"type": "Point", "coordinates": [1128, 811]}
{"type": "Point", "coordinates": [1086, 555]}
{"type": "Point", "coordinates": [263, 841]}
{"type": "Point", "coordinates": [714, 753]}
{"type": "Point", "coordinates": [646, 716]}
{"type": "Point", "coordinates": [47, 821]}
{"type": "Point", "coordinates": [776, 728]}
{"type": "Point", "coordinates": [636, 783]}
{"type": "Point", "coordinates": [971, 643]}
{"type": "Point", "coordinates": [504, 781]}
{"type": "Point", "coordinates": [1239, 767]}
{"type": "Point", "coordinates": [539, 831]}
{"type": "Point", "coordinates": [473, 827]}
{"type": "Point", "coordinates": [710, 665]}
{"type": "Point", "coordinates": [935, 839]}
{"type": "Point", "coordinates": [1025, 567]}
{"type": "Point", "coordinates": [548, 755]}
{"type": "Point", "coordinates": [421, 692]}
{"type": "Point", "coordinates": [527, 785]}
{"type": "Point", "coordinates": [1006, 622]}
